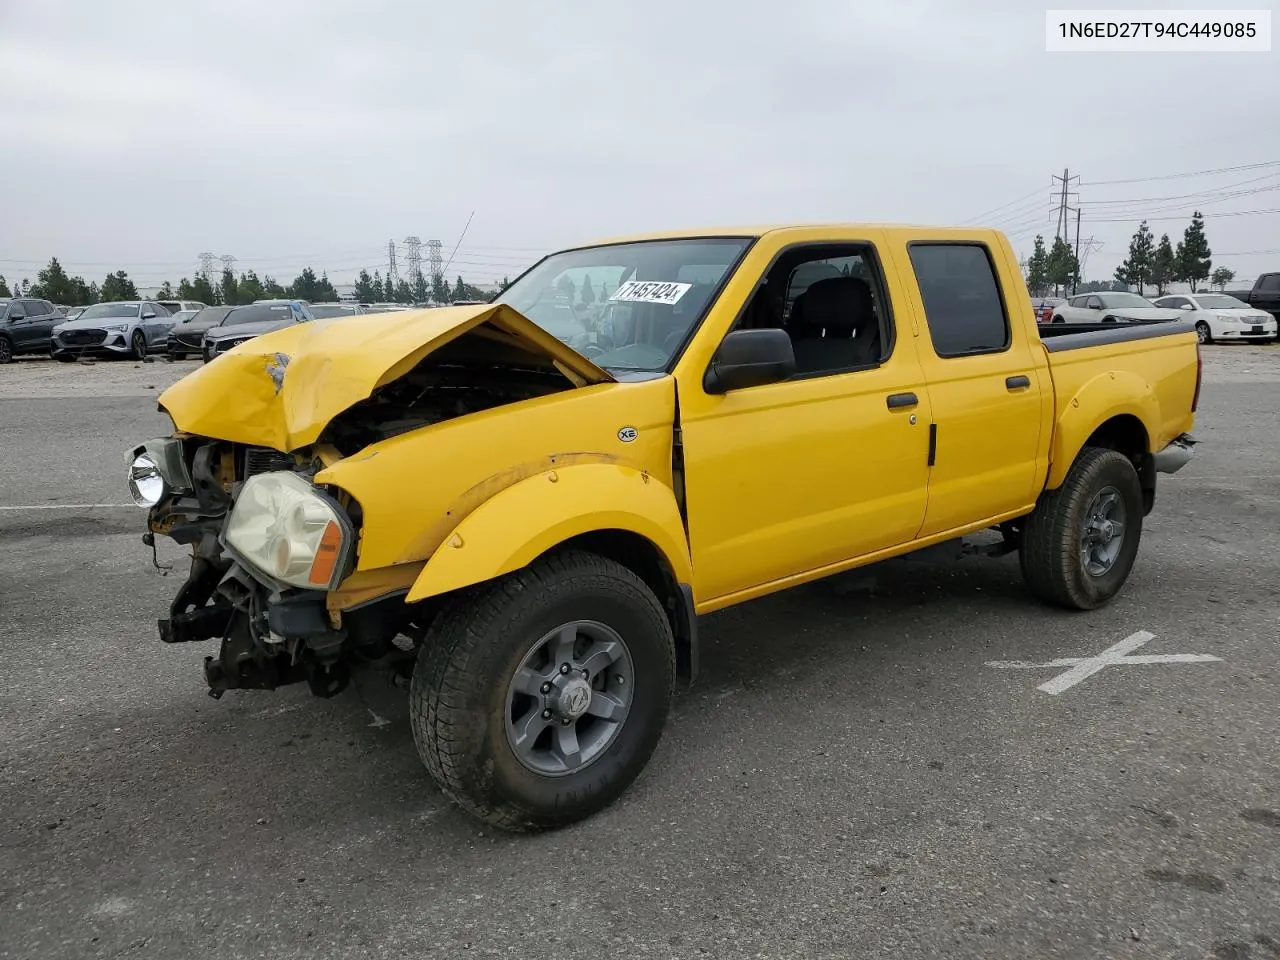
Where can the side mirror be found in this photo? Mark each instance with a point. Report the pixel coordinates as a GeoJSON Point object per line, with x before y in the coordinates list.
{"type": "Point", "coordinates": [750, 358]}
{"type": "Point", "coordinates": [148, 315]}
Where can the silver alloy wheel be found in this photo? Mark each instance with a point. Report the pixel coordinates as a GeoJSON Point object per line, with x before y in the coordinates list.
{"type": "Point", "coordinates": [569, 698]}
{"type": "Point", "coordinates": [1102, 533]}
{"type": "Point", "coordinates": [1202, 332]}
{"type": "Point", "coordinates": [6, 350]}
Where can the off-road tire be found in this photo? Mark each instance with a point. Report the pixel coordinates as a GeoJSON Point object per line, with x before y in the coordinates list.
{"type": "Point", "coordinates": [1050, 550]}
{"type": "Point", "coordinates": [458, 697]}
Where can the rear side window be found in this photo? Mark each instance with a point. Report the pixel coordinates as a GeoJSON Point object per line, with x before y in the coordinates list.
{"type": "Point", "coordinates": [1270, 282]}
{"type": "Point", "coordinates": [962, 304]}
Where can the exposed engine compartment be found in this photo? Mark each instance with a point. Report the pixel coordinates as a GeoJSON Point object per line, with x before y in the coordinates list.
{"type": "Point", "coordinates": [434, 391]}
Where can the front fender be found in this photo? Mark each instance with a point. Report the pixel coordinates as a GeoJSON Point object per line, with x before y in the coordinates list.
{"type": "Point", "coordinates": [1111, 394]}
{"type": "Point", "coordinates": [523, 521]}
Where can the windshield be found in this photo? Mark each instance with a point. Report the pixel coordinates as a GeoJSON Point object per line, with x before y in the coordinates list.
{"type": "Point", "coordinates": [257, 313]}
{"type": "Point", "coordinates": [1221, 302]}
{"type": "Point", "coordinates": [1125, 300]}
{"type": "Point", "coordinates": [627, 306]}
{"type": "Point", "coordinates": [103, 311]}
{"type": "Point", "coordinates": [210, 315]}
{"type": "Point", "coordinates": [321, 312]}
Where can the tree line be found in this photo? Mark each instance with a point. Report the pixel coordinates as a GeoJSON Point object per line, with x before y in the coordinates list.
{"type": "Point", "coordinates": [54, 284]}
{"type": "Point", "coordinates": [1148, 263]}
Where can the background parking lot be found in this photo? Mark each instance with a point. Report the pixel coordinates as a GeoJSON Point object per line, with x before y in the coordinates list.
{"type": "Point", "coordinates": [848, 777]}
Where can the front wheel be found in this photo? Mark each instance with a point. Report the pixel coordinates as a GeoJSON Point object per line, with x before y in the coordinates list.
{"type": "Point", "coordinates": [6, 350]}
{"type": "Point", "coordinates": [1203, 333]}
{"type": "Point", "coordinates": [539, 697]}
{"type": "Point", "coordinates": [1080, 542]}
{"type": "Point", "coordinates": [138, 345]}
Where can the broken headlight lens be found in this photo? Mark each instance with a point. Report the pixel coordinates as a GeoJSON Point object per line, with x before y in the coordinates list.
{"type": "Point", "coordinates": [288, 530]}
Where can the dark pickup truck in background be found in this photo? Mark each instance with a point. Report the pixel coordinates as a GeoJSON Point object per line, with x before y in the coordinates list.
{"type": "Point", "coordinates": [1265, 294]}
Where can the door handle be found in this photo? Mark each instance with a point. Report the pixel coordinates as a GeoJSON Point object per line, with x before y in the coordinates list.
{"type": "Point", "coordinates": [1017, 383]}
{"type": "Point", "coordinates": [897, 401]}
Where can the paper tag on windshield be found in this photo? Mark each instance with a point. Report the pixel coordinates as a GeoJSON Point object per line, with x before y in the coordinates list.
{"type": "Point", "coordinates": [650, 291]}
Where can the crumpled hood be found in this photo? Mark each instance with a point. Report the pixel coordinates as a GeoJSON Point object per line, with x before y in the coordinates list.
{"type": "Point", "coordinates": [281, 389]}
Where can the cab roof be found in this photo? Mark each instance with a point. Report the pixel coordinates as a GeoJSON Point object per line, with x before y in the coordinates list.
{"type": "Point", "coordinates": [758, 231]}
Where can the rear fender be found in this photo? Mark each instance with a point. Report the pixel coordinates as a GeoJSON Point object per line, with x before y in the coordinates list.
{"type": "Point", "coordinates": [1110, 394]}
{"type": "Point", "coordinates": [521, 522]}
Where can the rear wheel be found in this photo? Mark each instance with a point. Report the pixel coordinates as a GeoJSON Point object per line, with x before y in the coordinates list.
{"type": "Point", "coordinates": [1080, 543]}
{"type": "Point", "coordinates": [1203, 332]}
{"type": "Point", "coordinates": [539, 698]}
{"type": "Point", "coordinates": [138, 345]}
{"type": "Point", "coordinates": [6, 349]}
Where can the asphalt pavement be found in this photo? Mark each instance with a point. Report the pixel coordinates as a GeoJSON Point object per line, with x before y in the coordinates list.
{"type": "Point", "coordinates": [849, 778]}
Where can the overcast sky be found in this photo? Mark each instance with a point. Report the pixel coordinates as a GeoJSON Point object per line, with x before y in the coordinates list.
{"type": "Point", "coordinates": [138, 134]}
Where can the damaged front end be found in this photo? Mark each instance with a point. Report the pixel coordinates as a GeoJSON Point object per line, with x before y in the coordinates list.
{"type": "Point", "coordinates": [271, 546]}
{"type": "Point", "coordinates": [267, 545]}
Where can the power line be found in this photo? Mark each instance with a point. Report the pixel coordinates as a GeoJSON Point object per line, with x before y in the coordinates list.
{"type": "Point", "coordinates": [1221, 192]}
{"type": "Point", "coordinates": [1206, 216]}
{"type": "Point", "coordinates": [987, 213]}
{"type": "Point", "coordinates": [1190, 173]}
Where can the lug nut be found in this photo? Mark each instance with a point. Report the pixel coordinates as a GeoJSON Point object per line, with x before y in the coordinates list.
{"type": "Point", "coordinates": [546, 688]}
{"type": "Point", "coordinates": [621, 681]}
{"type": "Point", "coordinates": [546, 714]}
{"type": "Point", "coordinates": [565, 721]}
{"type": "Point", "coordinates": [586, 675]}
{"type": "Point", "coordinates": [564, 668]}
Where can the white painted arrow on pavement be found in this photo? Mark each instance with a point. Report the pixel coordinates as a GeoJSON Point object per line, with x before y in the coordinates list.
{"type": "Point", "coordinates": [1114, 656]}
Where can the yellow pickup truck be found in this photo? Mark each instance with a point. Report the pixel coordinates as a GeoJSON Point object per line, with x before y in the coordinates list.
{"type": "Point", "coordinates": [523, 506]}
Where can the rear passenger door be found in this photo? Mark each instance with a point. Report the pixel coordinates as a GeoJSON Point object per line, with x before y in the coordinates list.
{"type": "Point", "coordinates": [988, 385]}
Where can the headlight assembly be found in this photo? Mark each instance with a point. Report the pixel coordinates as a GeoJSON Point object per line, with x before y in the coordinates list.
{"type": "Point", "coordinates": [288, 530]}
{"type": "Point", "coordinates": [155, 469]}
{"type": "Point", "coordinates": [146, 486]}
{"type": "Point", "coordinates": [116, 327]}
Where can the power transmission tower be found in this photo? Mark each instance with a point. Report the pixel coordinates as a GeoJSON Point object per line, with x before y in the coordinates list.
{"type": "Point", "coordinates": [436, 260]}
{"type": "Point", "coordinates": [228, 263]}
{"type": "Point", "coordinates": [206, 264]}
{"type": "Point", "coordinates": [414, 259]}
{"type": "Point", "coordinates": [1062, 197]}
{"type": "Point", "coordinates": [392, 276]}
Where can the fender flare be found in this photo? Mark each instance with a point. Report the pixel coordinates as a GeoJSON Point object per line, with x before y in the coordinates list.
{"type": "Point", "coordinates": [521, 522]}
{"type": "Point", "coordinates": [1111, 394]}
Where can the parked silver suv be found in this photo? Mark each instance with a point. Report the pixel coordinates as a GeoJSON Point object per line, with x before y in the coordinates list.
{"type": "Point", "coordinates": [124, 328]}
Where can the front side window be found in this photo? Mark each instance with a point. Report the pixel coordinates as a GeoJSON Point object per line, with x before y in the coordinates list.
{"type": "Point", "coordinates": [962, 304]}
{"type": "Point", "coordinates": [627, 306]}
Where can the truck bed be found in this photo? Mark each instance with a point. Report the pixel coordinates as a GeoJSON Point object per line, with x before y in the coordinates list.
{"type": "Point", "coordinates": [1073, 336]}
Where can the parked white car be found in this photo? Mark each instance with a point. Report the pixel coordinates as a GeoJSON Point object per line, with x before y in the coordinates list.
{"type": "Point", "coordinates": [1110, 307]}
{"type": "Point", "coordinates": [1220, 317]}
